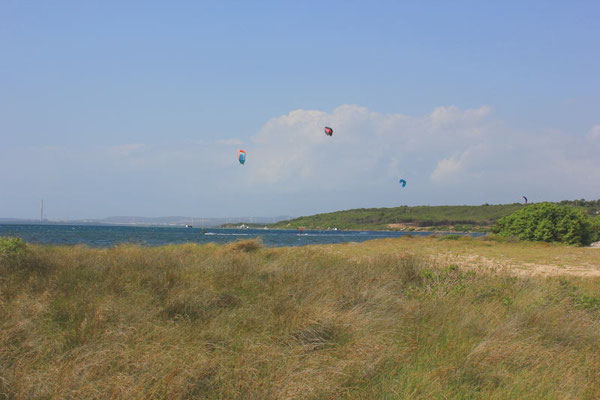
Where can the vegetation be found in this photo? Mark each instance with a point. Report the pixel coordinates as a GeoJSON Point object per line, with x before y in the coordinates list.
{"type": "Point", "coordinates": [460, 218]}
{"type": "Point", "coordinates": [549, 222]}
{"type": "Point", "coordinates": [596, 226]}
{"type": "Point", "coordinates": [438, 218]}
{"type": "Point", "coordinates": [13, 251]}
{"type": "Point", "coordinates": [591, 207]}
{"type": "Point", "coordinates": [385, 319]}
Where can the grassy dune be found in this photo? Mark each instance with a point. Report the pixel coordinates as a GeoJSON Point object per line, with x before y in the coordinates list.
{"type": "Point", "coordinates": [384, 319]}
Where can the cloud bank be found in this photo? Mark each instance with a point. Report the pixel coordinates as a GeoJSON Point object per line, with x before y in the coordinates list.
{"type": "Point", "coordinates": [366, 145]}
{"type": "Point", "coordinates": [448, 156]}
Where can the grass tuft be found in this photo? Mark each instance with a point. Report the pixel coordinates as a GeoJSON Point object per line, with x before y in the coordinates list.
{"type": "Point", "coordinates": [318, 335]}
{"type": "Point", "coordinates": [245, 245]}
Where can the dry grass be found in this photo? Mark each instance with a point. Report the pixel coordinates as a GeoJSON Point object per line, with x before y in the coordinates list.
{"type": "Point", "coordinates": [385, 319]}
{"type": "Point", "coordinates": [484, 254]}
{"type": "Point", "coordinates": [244, 245]}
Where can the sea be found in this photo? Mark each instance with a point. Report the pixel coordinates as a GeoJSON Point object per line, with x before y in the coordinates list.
{"type": "Point", "coordinates": [108, 236]}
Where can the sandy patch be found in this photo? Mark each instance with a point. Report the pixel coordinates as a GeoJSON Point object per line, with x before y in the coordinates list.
{"type": "Point", "coordinates": [475, 262]}
{"type": "Point", "coordinates": [402, 226]}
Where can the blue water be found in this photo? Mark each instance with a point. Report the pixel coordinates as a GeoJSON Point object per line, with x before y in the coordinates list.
{"type": "Point", "coordinates": [106, 236]}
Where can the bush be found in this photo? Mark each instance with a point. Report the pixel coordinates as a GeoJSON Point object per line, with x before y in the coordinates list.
{"type": "Point", "coordinates": [596, 228]}
{"type": "Point", "coordinates": [12, 251]}
{"type": "Point", "coordinates": [548, 222]}
{"type": "Point", "coordinates": [451, 237]}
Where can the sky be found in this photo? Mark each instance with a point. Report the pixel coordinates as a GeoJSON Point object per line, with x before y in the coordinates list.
{"type": "Point", "coordinates": [139, 108]}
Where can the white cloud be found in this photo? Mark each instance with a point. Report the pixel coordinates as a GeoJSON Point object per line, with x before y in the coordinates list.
{"type": "Point", "coordinates": [444, 116]}
{"type": "Point", "coordinates": [369, 151]}
{"type": "Point", "coordinates": [594, 133]}
{"type": "Point", "coordinates": [366, 145]}
{"type": "Point", "coordinates": [463, 165]}
{"type": "Point", "coordinates": [448, 169]}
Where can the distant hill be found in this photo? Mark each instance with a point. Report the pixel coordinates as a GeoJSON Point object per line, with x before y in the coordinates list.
{"type": "Point", "coordinates": [196, 221]}
{"type": "Point", "coordinates": [457, 218]}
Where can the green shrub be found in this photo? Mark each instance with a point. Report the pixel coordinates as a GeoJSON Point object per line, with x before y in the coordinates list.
{"type": "Point", "coordinates": [596, 228]}
{"type": "Point", "coordinates": [12, 251]}
{"type": "Point", "coordinates": [548, 222]}
{"type": "Point", "coordinates": [451, 237]}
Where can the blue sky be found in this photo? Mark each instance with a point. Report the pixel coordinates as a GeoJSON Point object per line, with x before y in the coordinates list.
{"type": "Point", "coordinates": [138, 108]}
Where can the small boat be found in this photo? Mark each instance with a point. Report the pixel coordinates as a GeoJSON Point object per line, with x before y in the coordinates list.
{"type": "Point", "coordinates": [188, 226]}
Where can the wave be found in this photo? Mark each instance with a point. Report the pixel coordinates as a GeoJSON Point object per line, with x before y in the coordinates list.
{"type": "Point", "coordinates": [228, 234]}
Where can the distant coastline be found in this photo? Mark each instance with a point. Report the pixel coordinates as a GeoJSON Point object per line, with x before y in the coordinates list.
{"type": "Point", "coordinates": [170, 221]}
{"type": "Point", "coordinates": [443, 219]}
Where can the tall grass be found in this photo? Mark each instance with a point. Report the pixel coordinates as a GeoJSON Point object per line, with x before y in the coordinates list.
{"type": "Point", "coordinates": [244, 321]}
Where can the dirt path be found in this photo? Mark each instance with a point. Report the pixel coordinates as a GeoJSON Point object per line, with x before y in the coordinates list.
{"type": "Point", "coordinates": [520, 258]}
{"type": "Point", "coordinates": [476, 262]}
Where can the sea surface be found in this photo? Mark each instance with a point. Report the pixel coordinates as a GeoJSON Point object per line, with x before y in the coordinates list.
{"type": "Point", "coordinates": [106, 236]}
